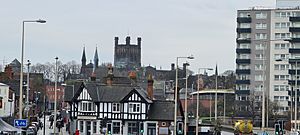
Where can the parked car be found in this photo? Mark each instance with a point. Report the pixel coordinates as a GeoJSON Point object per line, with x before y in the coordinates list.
{"type": "Point", "coordinates": [31, 130]}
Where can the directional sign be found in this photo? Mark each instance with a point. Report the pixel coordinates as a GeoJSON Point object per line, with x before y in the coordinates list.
{"type": "Point", "coordinates": [20, 123]}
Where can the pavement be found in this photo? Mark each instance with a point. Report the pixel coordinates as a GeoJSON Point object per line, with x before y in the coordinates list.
{"type": "Point", "coordinates": [49, 131]}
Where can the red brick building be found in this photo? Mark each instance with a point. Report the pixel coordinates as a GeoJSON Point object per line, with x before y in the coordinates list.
{"type": "Point", "coordinates": [51, 96]}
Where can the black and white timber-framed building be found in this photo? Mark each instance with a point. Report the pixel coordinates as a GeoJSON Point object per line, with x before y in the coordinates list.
{"type": "Point", "coordinates": [118, 107]}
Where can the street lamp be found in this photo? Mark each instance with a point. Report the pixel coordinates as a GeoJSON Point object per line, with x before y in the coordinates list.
{"type": "Point", "coordinates": [185, 99]}
{"type": "Point", "coordinates": [27, 89]}
{"type": "Point", "coordinates": [22, 57]}
{"type": "Point", "coordinates": [176, 92]}
{"type": "Point", "coordinates": [198, 89]}
{"type": "Point", "coordinates": [55, 96]}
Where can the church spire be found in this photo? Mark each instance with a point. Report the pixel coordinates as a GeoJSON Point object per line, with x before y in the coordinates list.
{"type": "Point", "coordinates": [96, 59]}
{"type": "Point", "coordinates": [83, 59]}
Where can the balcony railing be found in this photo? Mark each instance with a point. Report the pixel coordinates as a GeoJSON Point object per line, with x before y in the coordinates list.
{"type": "Point", "coordinates": [243, 40]}
{"type": "Point", "coordinates": [243, 61]}
{"type": "Point", "coordinates": [243, 50]}
{"type": "Point", "coordinates": [240, 92]}
{"type": "Point", "coordinates": [242, 71]}
{"type": "Point", "coordinates": [242, 81]}
{"type": "Point", "coordinates": [243, 30]}
{"type": "Point", "coordinates": [244, 20]}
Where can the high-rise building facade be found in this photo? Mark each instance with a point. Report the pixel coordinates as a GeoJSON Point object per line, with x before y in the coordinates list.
{"type": "Point", "coordinates": [262, 57]}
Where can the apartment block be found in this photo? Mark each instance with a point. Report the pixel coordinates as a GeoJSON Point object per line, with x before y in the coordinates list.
{"type": "Point", "coordinates": [264, 51]}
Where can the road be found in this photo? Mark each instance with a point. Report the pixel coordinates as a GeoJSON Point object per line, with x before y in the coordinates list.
{"type": "Point", "coordinates": [48, 131]}
{"type": "Point", "coordinates": [226, 133]}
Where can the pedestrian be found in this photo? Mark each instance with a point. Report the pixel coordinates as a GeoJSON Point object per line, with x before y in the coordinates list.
{"type": "Point", "coordinates": [67, 127]}
{"type": "Point", "coordinates": [51, 119]}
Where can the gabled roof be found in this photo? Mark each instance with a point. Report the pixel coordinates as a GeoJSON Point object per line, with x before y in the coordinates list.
{"type": "Point", "coordinates": [105, 93]}
{"type": "Point", "coordinates": [161, 110]}
{"type": "Point", "coordinates": [142, 93]}
{"type": "Point", "coordinates": [16, 63]}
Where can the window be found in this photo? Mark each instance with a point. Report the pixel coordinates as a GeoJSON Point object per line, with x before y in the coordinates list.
{"type": "Point", "coordinates": [258, 67]}
{"type": "Point", "coordinates": [81, 126]}
{"type": "Point", "coordinates": [261, 15]}
{"type": "Point", "coordinates": [260, 36]}
{"type": "Point", "coordinates": [94, 127]}
{"type": "Point", "coordinates": [242, 66]}
{"type": "Point", "coordinates": [281, 56]}
{"type": "Point", "coordinates": [244, 35]}
{"type": "Point", "coordinates": [282, 14]}
{"type": "Point", "coordinates": [116, 128]}
{"type": "Point", "coordinates": [243, 56]}
{"type": "Point", "coordinates": [115, 107]}
{"type": "Point", "coordinates": [86, 106]}
{"type": "Point", "coordinates": [134, 107]}
{"type": "Point", "coordinates": [243, 77]}
{"type": "Point", "coordinates": [259, 46]}
{"type": "Point", "coordinates": [132, 128]}
{"type": "Point", "coordinates": [243, 87]}
{"type": "Point", "coordinates": [282, 46]}
{"type": "Point", "coordinates": [281, 66]}
{"type": "Point", "coordinates": [258, 87]}
{"type": "Point", "coordinates": [281, 77]}
{"type": "Point", "coordinates": [244, 14]}
{"type": "Point", "coordinates": [282, 25]}
{"type": "Point", "coordinates": [244, 46]}
{"type": "Point", "coordinates": [282, 35]}
{"type": "Point", "coordinates": [259, 56]}
{"type": "Point", "coordinates": [244, 25]}
{"type": "Point", "coordinates": [261, 26]}
{"type": "Point", "coordinates": [258, 77]}
{"type": "Point", "coordinates": [281, 88]}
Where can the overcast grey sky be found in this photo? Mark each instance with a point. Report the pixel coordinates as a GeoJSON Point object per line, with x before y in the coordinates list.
{"type": "Point", "coordinates": [169, 28]}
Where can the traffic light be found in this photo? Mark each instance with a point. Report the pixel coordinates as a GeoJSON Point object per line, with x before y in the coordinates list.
{"type": "Point", "coordinates": [277, 129]}
{"type": "Point", "coordinates": [1, 103]}
{"type": "Point", "coordinates": [141, 127]}
{"type": "Point", "coordinates": [180, 128]}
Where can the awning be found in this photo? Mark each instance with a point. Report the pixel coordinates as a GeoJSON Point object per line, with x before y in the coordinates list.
{"type": "Point", "coordinates": [8, 128]}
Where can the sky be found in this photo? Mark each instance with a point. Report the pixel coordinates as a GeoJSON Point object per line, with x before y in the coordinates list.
{"type": "Point", "coordinates": [205, 29]}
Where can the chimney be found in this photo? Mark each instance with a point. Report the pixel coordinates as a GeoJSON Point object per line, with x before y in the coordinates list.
{"type": "Point", "coordinates": [93, 77]}
{"type": "Point", "coordinates": [150, 87]}
{"type": "Point", "coordinates": [132, 76]}
{"type": "Point", "coordinates": [110, 75]}
{"type": "Point", "coordinates": [139, 41]}
{"type": "Point", "coordinates": [116, 40]}
{"type": "Point", "coordinates": [172, 66]}
{"type": "Point", "coordinates": [8, 71]}
{"type": "Point", "coordinates": [127, 40]}
{"type": "Point", "coordinates": [184, 66]}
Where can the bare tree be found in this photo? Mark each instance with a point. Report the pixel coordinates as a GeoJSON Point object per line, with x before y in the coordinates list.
{"type": "Point", "coordinates": [48, 69]}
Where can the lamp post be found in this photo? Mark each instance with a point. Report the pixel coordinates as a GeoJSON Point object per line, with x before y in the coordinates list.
{"type": "Point", "coordinates": [185, 100]}
{"type": "Point", "coordinates": [27, 90]}
{"type": "Point", "coordinates": [198, 89]}
{"type": "Point", "coordinates": [296, 94]}
{"type": "Point", "coordinates": [73, 87]}
{"type": "Point", "coordinates": [176, 92]}
{"type": "Point", "coordinates": [55, 96]}
{"type": "Point", "coordinates": [22, 58]}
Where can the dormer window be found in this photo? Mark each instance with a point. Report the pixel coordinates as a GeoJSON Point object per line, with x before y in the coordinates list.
{"type": "Point", "coordinates": [115, 107]}
{"type": "Point", "coordinates": [134, 107]}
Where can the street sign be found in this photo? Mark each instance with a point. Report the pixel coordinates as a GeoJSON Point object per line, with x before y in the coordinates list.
{"type": "Point", "coordinates": [20, 123]}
